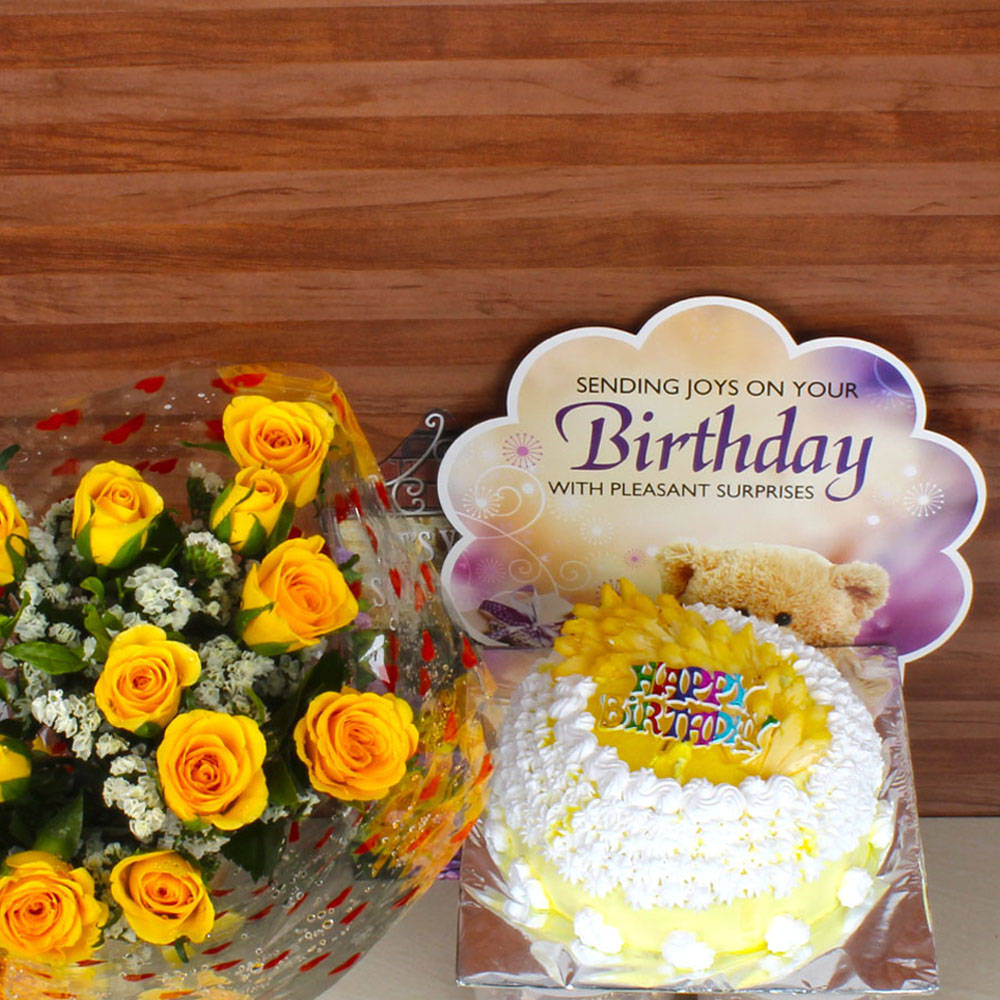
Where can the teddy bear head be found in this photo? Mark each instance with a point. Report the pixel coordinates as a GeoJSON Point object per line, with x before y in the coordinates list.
{"type": "Point", "coordinates": [823, 603]}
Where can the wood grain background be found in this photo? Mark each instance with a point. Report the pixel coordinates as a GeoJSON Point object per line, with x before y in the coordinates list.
{"type": "Point", "coordinates": [413, 195]}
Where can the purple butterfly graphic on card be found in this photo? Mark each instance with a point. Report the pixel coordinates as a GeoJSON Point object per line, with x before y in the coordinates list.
{"type": "Point", "coordinates": [523, 618]}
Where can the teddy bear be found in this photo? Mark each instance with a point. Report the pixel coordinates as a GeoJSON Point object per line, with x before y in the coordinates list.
{"type": "Point", "coordinates": [823, 603]}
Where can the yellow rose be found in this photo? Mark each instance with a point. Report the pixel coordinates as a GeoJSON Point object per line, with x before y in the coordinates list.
{"type": "Point", "coordinates": [355, 746]}
{"type": "Point", "coordinates": [210, 766]}
{"type": "Point", "coordinates": [290, 438]}
{"type": "Point", "coordinates": [13, 532]}
{"type": "Point", "coordinates": [162, 897]}
{"type": "Point", "coordinates": [15, 768]}
{"type": "Point", "coordinates": [248, 509]}
{"type": "Point", "coordinates": [112, 511]}
{"type": "Point", "coordinates": [143, 678]}
{"type": "Point", "coordinates": [48, 911]}
{"type": "Point", "coordinates": [303, 596]}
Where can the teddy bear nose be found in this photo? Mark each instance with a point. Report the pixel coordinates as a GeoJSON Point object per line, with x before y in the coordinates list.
{"type": "Point", "coordinates": [782, 618]}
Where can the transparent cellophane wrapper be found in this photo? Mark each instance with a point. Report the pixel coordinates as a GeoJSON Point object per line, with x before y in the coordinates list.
{"type": "Point", "coordinates": [890, 952]}
{"type": "Point", "coordinates": [349, 871]}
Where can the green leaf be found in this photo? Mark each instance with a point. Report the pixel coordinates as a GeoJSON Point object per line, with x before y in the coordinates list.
{"type": "Point", "coordinates": [164, 540]}
{"type": "Point", "coordinates": [7, 623]}
{"type": "Point", "coordinates": [128, 553]}
{"type": "Point", "coordinates": [94, 585]}
{"type": "Point", "coordinates": [14, 788]}
{"type": "Point", "coordinates": [224, 529]}
{"type": "Point", "coordinates": [83, 543]}
{"type": "Point", "coordinates": [17, 559]}
{"type": "Point", "coordinates": [111, 621]}
{"type": "Point", "coordinates": [281, 790]}
{"type": "Point", "coordinates": [271, 649]}
{"type": "Point", "coordinates": [7, 454]}
{"type": "Point", "coordinates": [15, 745]}
{"type": "Point", "coordinates": [255, 540]}
{"type": "Point", "coordinates": [219, 446]}
{"type": "Point", "coordinates": [49, 657]}
{"type": "Point", "coordinates": [349, 568]}
{"type": "Point", "coordinates": [93, 622]}
{"type": "Point", "coordinates": [20, 830]}
{"type": "Point", "coordinates": [61, 834]}
{"type": "Point", "coordinates": [284, 525]}
{"type": "Point", "coordinates": [257, 848]}
{"type": "Point", "coordinates": [247, 615]}
{"type": "Point", "coordinates": [149, 731]}
{"type": "Point", "coordinates": [259, 708]}
{"type": "Point", "coordinates": [329, 673]}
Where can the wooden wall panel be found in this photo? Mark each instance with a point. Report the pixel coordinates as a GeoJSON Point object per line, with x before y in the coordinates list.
{"type": "Point", "coordinates": [413, 195]}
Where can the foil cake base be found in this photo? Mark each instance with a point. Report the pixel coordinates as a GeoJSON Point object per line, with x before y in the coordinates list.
{"type": "Point", "coordinates": [890, 952]}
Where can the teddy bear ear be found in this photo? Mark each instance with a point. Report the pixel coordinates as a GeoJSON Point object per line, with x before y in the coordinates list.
{"type": "Point", "coordinates": [676, 563]}
{"type": "Point", "coordinates": [866, 584]}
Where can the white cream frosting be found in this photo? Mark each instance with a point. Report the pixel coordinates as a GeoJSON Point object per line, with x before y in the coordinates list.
{"type": "Point", "coordinates": [786, 934]}
{"type": "Point", "coordinates": [594, 932]}
{"type": "Point", "coordinates": [854, 887]}
{"type": "Point", "coordinates": [604, 826]}
{"type": "Point", "coordinates": [686, 952]}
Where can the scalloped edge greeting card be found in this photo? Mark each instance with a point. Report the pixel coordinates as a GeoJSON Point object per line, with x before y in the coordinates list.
{"type": "Point", "coordinates": [709, 427]}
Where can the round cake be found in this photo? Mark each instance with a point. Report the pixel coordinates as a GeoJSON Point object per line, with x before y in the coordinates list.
{"type": "Point", "coordinates": [683, 794]}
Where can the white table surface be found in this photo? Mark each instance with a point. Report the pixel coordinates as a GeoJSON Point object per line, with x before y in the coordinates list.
{"type": "Point", "coordinates": [416, 959]}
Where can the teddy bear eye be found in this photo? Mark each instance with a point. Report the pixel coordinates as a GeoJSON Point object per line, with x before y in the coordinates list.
{"type": "Point", "coordinates": [782, 618]}
{"type": "Point", "coordinates": [744, 612]}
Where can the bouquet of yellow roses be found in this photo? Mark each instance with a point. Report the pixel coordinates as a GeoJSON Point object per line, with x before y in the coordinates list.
{"type": "Point", "coordinates": [260, 695]}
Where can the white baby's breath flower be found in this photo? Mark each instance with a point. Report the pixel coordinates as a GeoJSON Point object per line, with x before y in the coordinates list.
{"type": "Point", "coordinates": [31, 625]}
{"type": "Point", "coordinates": [60, 594]}
{"type": "Point", "coordinates": [272, 814]}
{"type": "Point", "coordinates": [212, 482]}
{"type": "Point", "coordinates": [284, 675]}
{"type": "Point", "coordinates": [45, 546]}
{"type": "Point", "coordinates": [57, 524]}
{"type": "Point", "coordinates": [48, 708]}
{"type": "Point", "coordinates": [207, 695]}
{"type": "Point", "coordinates": [153, 586]}
{"type": "Point", "coordinates": [222, 550]}
{"type": "Point", "coordinates": [228, 673]}
{"type": "Point", "coordinates": [108, 744]}
{"type": "Point", "coordinates": [60, 510]}
{"type": "Point", "coordinates": [308, 801]}
{"type": "Point", "coordinates": [34, 684]}
{"type": "Point", "coordinates": [147, 824]}
{"type": "Point", "coordinates": [197, 843]}
{"type": "Point", "coordinates": [65, 633]}
{"type": "Point", "coordinates": [38, 575]}
{"type": "Point", "coordinates": [127, 764]}
{"type": "Point", "coordinates": [100, 857]}
{"type": "Point", "coordinates": [162, 599]}
{"type": "Point", "coordinates": [74, 717]}
{"type": "Point", "coordinates": [45, 585]}
{"type": "Point", "coordinates": [139, 800]}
